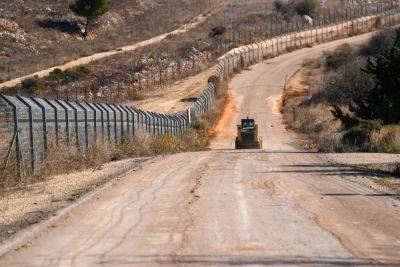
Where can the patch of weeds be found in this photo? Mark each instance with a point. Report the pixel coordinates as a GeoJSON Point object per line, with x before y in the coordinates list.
{"type": "Point", "coordinates": [76, 194]}
{"type": "Point", "coordinates": [31, 85]}
{"type": "Point", "coordinates": [135, 95]}
{"type": "Point", "coordinates": [310, 45]}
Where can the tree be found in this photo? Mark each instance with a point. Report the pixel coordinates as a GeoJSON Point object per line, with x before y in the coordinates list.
{"type": "Point", "coordinates": [306, 7]}
{"type": "Point", "coordinates": [339, 57]}
{"type": "Point", "coordinates": [348, 82]}
{"type": "Point", "coordinates": [383, 102]}
{"type": "Point", "coordinates": [381, 106]}
{"type": "Point", "coordinates": [280, 6]}
{"type": "Point", "coordinates": [90, 9]}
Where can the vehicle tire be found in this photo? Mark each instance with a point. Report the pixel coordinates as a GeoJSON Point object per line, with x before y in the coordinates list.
{"type": "Point", "coordinates": [237, 145]}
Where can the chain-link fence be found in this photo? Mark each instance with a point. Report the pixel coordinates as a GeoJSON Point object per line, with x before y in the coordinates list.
{"type": "Point", "coordinates": [27, 124]}
{"type": "Point", "coordinates": [7, 138]}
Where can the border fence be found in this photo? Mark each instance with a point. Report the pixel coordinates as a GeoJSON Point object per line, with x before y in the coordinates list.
{"type": "Point", "coordinates": [29, 123]}
{"type": "Point", "coordinates": [26, 124]}
{"type": "Point", "coordinates": [244, 56]}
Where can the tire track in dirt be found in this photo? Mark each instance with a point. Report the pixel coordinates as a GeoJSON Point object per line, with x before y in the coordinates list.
{"type": "Point", "coordinates": [99, 229]}
{"type": "Point", "coordinates": [164, 181]}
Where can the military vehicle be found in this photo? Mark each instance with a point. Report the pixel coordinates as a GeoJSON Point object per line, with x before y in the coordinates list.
{"type": "Point", "coordinates": [247, 135]}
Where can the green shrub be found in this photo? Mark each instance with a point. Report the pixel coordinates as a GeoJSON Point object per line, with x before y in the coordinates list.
{"type": "Point", "coordinates": [342, 55]}
{"type": "Point", "coordinates": [69, 74]}
{"type": "Point", "coordinates": [359, 135]}
{"type": "Point", "coordinates": [281, 7]}
{"type": "Point", "coordinates": [378, 22]}
{"type": "Point", "coordinates": [135, 95]}
{"type": "Point", "coordinates": [383, 101]}
{"type": "Point", "coordinates": [347, 83]}
{"type": "Point", "coordinates": [57, 74]}
{"type": "Point", "coordinates": [31, 85]}
{"type": "Point", "coordinates": [306, 7]}
{"type": "Point", "coordinates": [387, 140]}
{"type": "Point", "coordinates": [217, 31]}
{"type": "Point", "coordinates": [380, 42]}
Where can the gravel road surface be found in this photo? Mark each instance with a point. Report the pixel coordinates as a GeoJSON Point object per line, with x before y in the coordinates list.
{"type": "Point", "coordinates": [275, 206]}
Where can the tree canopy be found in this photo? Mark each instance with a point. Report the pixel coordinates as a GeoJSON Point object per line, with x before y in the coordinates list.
{"type": "Point", "coordinates": [381, 106]}
{"type": "Point", "coordinates": [90, 9]}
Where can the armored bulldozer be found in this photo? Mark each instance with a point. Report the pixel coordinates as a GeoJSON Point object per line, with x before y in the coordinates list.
{"type": "Point", "coordinates": [247, 135]}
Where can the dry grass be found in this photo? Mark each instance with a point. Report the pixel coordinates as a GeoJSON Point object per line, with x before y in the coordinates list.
{"type": "Point", "coordinates": [387, 139]}
{"type": "Point", "coordinates": [5, 26]}
{"type": "Point", "coordinates": [51, 31]}
{"type": "Point", "coordinates": [314, 119]}
{"type": "Point", "coordinates": [316, 122]}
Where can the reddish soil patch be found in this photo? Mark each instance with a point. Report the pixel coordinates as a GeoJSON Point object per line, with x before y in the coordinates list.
{"type": "Point", "coordinates": [226, 115]}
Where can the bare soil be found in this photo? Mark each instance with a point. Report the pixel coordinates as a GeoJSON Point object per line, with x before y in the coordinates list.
{"type": "Point", "coordinates": [35, 36]}
{"type": "Point", "coordinates": [31, 203]}
{"type": "Point", "coordinates": [177, 97]}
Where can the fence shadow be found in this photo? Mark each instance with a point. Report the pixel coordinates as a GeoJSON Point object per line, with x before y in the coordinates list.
{"type": "Point", "coordinates": [212, 260]}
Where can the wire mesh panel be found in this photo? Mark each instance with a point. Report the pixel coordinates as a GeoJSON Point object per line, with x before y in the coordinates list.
{"type": "Point", "coordinates": [7, 141]}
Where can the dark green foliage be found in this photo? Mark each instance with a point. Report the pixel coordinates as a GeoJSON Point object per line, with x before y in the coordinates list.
{"type": "Point", "coordinates": [281, 7]}
{"type": "Point", "coordinates": [31, 85]}
{"type": "Point", "coordinates": [357, 131]}
{"type": "Point", "coordinates": [347, 83]}
{"type": "Point", "coordinates": [359, 135]}
{"type": "Point", "coordinates": [68, 75]}
{"type": "Point", "coordinates": [306, 7]}
{"type": "Point", "coordinates": [217, 31]}
{"type": "Point", "coordinates": [383, 102]}
{"type": "Point", "coordinates": [342, 55]}
{"type": "Point", "coordinates": [57, 74]}
{"type": "Point", "coordinates": [379, 43]}
{"type": "Point", "coordinates": [381, 106]}
{"type": "Point", "coordinates": [82, 70]}
{"type": "Point", "coordinates": [89, 9]}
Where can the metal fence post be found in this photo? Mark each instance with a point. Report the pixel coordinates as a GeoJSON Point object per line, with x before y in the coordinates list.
{"type": "Point", "coordinates": [103, 109]}
{"type": "Point", "coordinates": [44, 123]}
{"type": "Point", "coordinates": [86, 125]}
{"type": "Point", "coordinates": [31, 138]}
{"type": "Point", "coordinates": [121, 120]}
{"type": "Point", "coordinates": [127, 113]}
{"type": "Point", "coordinates": [132, 112]}
{"type": "Point", "coordinates": [55, 117]}
{"type": "Point", "coordinates": [67, 130]}
{"type": "Point", "coordinates": [115, 122]}
{"type": "Point", "coordinates": [76, 122]}
{"type": "Point", "coordinates": [16, 132]}
{"type": "Point", "coordinates": [94, 118]}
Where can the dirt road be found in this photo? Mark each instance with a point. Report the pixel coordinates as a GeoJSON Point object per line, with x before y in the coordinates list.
{"type": "Point", "coordinates": [86, 60]}
{"type": "Point", "coordinates": [277, 206]}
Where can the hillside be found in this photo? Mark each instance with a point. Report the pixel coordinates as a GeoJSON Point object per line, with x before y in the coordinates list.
{"type": "Point", "coordinates": [39, 34]}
